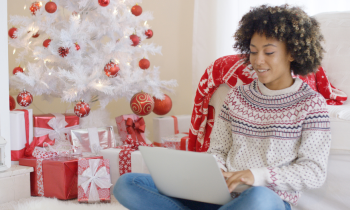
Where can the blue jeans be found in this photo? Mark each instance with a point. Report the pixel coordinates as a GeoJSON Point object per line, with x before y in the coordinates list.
{"type": "Point", "coordinates": [138, 191]}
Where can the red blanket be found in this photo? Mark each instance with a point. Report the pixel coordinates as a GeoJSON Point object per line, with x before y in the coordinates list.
{"type": "Point", "coordinates": [231, 70]}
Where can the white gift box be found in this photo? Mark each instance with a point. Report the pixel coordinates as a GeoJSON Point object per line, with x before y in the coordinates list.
{"type": "Point", "coordinates": [138, 165]}
{"type": "Point", "coordinates": [18, 131]}
{"type": "Point", "coordinates": [166, 126]}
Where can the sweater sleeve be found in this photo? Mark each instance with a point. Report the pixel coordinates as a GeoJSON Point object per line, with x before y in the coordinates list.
{"type": "Point", "coordinates": [309, 169]}
{"type": "Point", "coordinates": [221, 138]}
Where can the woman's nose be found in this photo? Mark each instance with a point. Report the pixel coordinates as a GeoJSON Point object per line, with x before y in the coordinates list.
{"type": "Point", "coordinates": [260, 59]}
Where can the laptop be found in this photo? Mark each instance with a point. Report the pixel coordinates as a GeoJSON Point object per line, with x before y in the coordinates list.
{"type": "Point", "coordinates": [187, 175]}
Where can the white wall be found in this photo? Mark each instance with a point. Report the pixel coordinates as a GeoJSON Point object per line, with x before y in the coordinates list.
{"type": "Point", "coordinates": [4, 83]}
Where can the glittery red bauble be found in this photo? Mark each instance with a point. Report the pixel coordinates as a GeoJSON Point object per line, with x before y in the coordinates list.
{"type": "Point", "coordinates": [11, 32]}
{"type": "Point", "coordinates": [63, 51]}
{"type": "Point", "coordinates": [82, 109]}
{"type": "Point", "coordinates": [35, 7]}
{"type": "Point", "coordinates": [103, 3]}
{"type": "Point", "coordinates": [46, 43]}
{"type": "Point", "coordinates": [50, 7]}
{"type": "Point", "coordinates": [111, 69]}
{"type": "Point", "coordinates": [144, 63]}
{"type": "Point", "coordinates": [77, 46]}
{"type": "Point", "coordinates": [24, 98]}
{"type": "Point", "coordinates": [12, 103]}
{"type": "Point", "coordinates": [149, 33]}
{"type": "Point", "coordinates": [136, 10]}
{"type": "Point", "coordinates": [135, 40]}
{"type": "Point", "coordinates": [162, 107]}
{"type": "Point", "coordinates": [142, 104]}
{"type": "Point", "coordinates": [17, 69]}
{"type": "Point", "coordinates": [36, 35]}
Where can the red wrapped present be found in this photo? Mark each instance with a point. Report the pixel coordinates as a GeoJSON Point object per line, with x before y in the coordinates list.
{"type": "Point", "coordinates": [177, 141]}
{"type": "Point", "coordinates": [94, 181]}
{"type": "Point", "coordinates": [131, 126]}
{"type": "Point", "coordinates": [49, 127]}
{"type": "Point", "coordinates": [55, 176]}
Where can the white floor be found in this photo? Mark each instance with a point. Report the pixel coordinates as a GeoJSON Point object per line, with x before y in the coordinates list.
{"type": "Point", "coordinates": [42, 203]}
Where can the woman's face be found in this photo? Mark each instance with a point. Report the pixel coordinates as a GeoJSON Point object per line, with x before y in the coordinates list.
{"type": "Point", "coordinates": [271, 62]}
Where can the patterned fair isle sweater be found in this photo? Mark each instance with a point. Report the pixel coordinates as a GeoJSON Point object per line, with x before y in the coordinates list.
{"type": "Point", "coordinates": [282, 136]}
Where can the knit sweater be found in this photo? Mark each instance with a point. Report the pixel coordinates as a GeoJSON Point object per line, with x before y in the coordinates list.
{"type": "Point", "coordinates": [282, 136]}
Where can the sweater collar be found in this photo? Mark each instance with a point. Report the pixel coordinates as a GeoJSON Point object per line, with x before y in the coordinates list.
{"type": "Point", "coordinates": [294, 88]}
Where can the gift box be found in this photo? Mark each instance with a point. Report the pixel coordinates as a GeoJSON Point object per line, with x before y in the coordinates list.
{"type": "Point", "coordinates": [92, 140]}
{"type": "Point", "coordinates": [177, 141]}
{"type": "Point", "coordinates": [168, 126]}
{"type": "Point", "coordinates": [54, 177]}
{"type": "Point", "coordinates": [49, 127]}
{"type": "Point", "coordinates": [21, 131]}
{"type": "Point", "coordinates": [131, 126]}
{"type": "Point", "coordinates": [96, 189]}
{"type": "Point", "coordinates": [138, 165]}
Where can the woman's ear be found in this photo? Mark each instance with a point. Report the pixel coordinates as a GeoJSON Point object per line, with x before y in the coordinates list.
{"type": "Point", "coordinates": [291, 59]}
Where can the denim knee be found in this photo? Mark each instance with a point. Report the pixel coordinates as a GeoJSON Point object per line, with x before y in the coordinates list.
{"type": "Point", "coordinates": [264, 197]}
{"type": "Point", "coordinates": [121, 186]}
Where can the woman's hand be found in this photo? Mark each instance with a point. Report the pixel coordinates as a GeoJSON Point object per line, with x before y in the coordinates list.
{"type": "Point", "coordinates": [235, 178]}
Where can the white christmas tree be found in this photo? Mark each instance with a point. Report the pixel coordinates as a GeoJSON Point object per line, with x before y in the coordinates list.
{"type": "Point", "coordinates": [85, 50]}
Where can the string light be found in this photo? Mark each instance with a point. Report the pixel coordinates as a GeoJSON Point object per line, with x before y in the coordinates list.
{"type": "Point", "coordinates": [76, 93]}
{"type": "Point", "coordinates": [126, 36]}
{"type": "Point", "coordinates": [145, 23]}
{"type": "Point", "coordinates": [49, 73]}
{"type": "Point", "coordinates": [14, 51]}
{"type": "Point", "coordinates": [36, 58]}
{"type": "Point", "coordinates": [115, 12]}
{"type": "Point", "coordinates": [41, 4]}
{"type": "Point", "coordinates": [139, 46]}
{"type": "Point", "coordinates": [117, 61]}
{"type": "Point", "coordinates": [29, 42]}
{"type": "Point", "coordinates": [25, 6]}
{"type": "Point", "coordinates": [24, 68]}
{"type": "Point", "coordinates": [79, 16]}
{"type": "Point", "coordinates": [128, 64]}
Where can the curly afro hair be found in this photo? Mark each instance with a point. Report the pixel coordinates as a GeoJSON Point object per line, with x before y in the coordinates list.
{"type": "Point", "coordinates": [292, 25]}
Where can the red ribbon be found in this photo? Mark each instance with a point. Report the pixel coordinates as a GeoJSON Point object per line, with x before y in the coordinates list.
{"type": "Point", "coordinates": [176, 125]}
{"type": "Point", "coordinates": [125, 154]}
{"type": "Point", "coordinates": [136, 128]}
{"type": "Point", "coordinates": [183, 144]}
{"type": "Point", "coordinates": [15, 155]}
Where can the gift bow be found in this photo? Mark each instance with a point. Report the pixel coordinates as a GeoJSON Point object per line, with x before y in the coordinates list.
{"type": "Point", "coordinates": [43, 153]}
{"type": "Point", "coordinates": [100, 178]}
{"type": "Point", "coordinates": [58, 124]}
{"type": "Point", "coordinates": [135, 129]}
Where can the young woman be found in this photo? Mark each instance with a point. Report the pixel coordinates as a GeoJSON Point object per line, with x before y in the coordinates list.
{"type": "Point", "coordinates": [272, 134]}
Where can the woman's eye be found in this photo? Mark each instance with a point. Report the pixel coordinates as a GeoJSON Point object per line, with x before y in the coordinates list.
{"type": "Point", "coordinates": [253, 53]}
{"type": "Point", "coordinates": [270, 53]}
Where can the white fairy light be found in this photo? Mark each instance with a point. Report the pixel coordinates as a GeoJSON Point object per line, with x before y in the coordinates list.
{"type": "Point", "coordinates": [41, 4]}
{"type": "Point", "coordinates": [139, 46]}
{"type": "Point", "coordinates": [76, 93]}
{"type": "Point", "coordinates": [24, 68]}
{"type": "Point", "coordinates": [126, 36]}
{"type": "Point", "coordinates": [99, 83]}
{"type": "Point", "coordinates": [128, 63]}
{"type": "Point", "coordinates": [25, 6]}
{"type": "Point", "coordinates": [29, 42]}
{"type": "Point", "coordinates": [14, 51]}
{"type": "Point", "coordinates": [145, 23]}
{"type": "Point", "coordinates": [117, 61]}
{"type": "Point", "coordinates": [115, 12]}
{"type": "Point", "coordinates": [36, 59]}
{"type": "Point", "coordinates": [49, 73]}
{"type": "Point", "coordinates": [79, 16]}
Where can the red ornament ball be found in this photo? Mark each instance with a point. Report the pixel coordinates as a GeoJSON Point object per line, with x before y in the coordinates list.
{"type": "Point", "coordinates": [63, 51]}
{"type": "Point", "coordinates": [24, 98]}
{"type": "Point", "coordinates": [103, 3]}
{"type": "Point", "coordinates": [36, 35]}
{"type": "Point", "coordinates": [162, 107]}
{"type": "Point", "coordinates": [16, 70]}
{"type": "Point", "coordinates": [144, 63]}
{"type": "Point", "coordinates": [35, 7]}
{"type": "Point", "coordinates": [12, 33]}
{"type": "Point", "coordinates": [82, 109]}
{"type": "Point", "coordinates": [136, 10]}
{"type": "Point", "coordinates": [46, 43]}
{"type": "Point", "coordinates": [149, 33]}
{"type": "Point", "coordinates": [50, 7]}
{"type": "Point", "coordinates": [111, 69]}
{"type": "Point", "coordinates": [142, 104]}
{"type": "Point", "coordinates": [135, 40]}
{"type": "Point", "coordinates": [12, 103]}
{"type": "Point", "coordinates": [77, 46]}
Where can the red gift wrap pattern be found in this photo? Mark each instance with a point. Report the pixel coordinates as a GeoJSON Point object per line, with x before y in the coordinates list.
{"type": "Point", "coordinates": [94, 181]}
{"type": "Point", "coordinates": [131, 126]}
{"type": "Point", "coordinates": [50, 127]}
{"type": "Point", "coordinates": [55, 175]}
{"type": "Point", "coordinates": [177, 141]}
{"type": "Point", "coordinates": [129, 146]}
{"type": "Point", "coordinates": [233, 71]}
